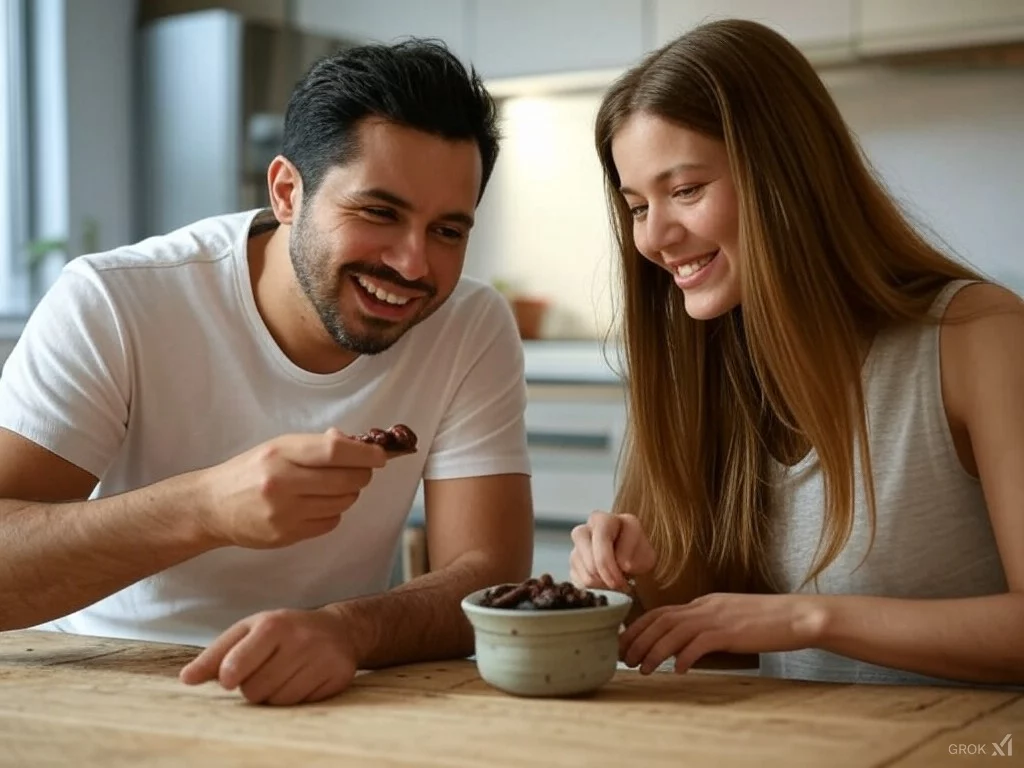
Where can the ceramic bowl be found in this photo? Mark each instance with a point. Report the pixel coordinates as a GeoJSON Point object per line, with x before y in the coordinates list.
{"type": "Point", "coordinates": [547, 652]}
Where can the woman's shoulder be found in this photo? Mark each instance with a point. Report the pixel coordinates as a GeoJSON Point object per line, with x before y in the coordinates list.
{"type": "Point", "coordinates": [975, 302]}
{"type": "Point", "coordinates": [981, 349]}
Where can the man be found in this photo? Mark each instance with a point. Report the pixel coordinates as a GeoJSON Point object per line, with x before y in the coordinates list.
{"type": "Point", "coordinates": [175, 459]}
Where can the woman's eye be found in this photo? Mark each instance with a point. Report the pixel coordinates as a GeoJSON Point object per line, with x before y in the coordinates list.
{"type": "Point", "coordinates": [688, 192]}
{"type": "Point", "coordinates": [636, 211]}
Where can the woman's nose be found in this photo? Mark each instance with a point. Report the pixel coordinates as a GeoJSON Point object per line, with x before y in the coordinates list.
{"type": "Point", "coordinates": [661, 229]}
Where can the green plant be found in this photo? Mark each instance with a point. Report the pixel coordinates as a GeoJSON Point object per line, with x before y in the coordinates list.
{"type": "Point", "coordinates": [36, 251]}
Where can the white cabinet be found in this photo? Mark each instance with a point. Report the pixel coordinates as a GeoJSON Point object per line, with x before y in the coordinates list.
{"type": "Point", "coordinates": [898, 26]}
{"type": "Point", "coordinates": [822, 29]}
{"type": "Point", "coordinates": [386, 20]}
{"type": "Point", "coordinates": [512, 38]}
{"type": "Point", "coordinates": [574, 436]}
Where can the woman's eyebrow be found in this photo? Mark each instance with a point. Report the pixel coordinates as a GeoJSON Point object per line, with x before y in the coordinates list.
{"type": "Point", "coordinates": [666, 173]}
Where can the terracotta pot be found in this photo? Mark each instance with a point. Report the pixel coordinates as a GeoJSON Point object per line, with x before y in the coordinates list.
{"type": "Point", "coordinates": [529, 316]}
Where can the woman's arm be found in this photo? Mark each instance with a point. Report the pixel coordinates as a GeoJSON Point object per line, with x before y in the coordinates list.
{"type": "Point", "coordinates": [981, 638]}
{"type": "Point", "coordinates": [978, 639]}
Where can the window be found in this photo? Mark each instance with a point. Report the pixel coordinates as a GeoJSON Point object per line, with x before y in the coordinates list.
{"type": "Point", "coordinates": [14, 189]}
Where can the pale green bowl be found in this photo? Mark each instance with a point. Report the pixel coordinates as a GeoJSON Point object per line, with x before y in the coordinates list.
{"type": "Point", "coordinates": [547, 652]}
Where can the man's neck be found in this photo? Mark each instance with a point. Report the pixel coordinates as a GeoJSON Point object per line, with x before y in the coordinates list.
{"type": "Point", "coordinates": [285, 311]}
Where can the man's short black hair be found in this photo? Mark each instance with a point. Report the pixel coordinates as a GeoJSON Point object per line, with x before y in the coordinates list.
{"type": "Point", "coordinates": [415, 83]}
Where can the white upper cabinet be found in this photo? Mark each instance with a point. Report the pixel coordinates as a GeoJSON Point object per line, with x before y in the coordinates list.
{"type": "Point", "coordinates": [513, 38]}
{"type": "Point", "coordinates": [823, 29]}
{"type": "Point", "coordinates": [386, 20]}
{"type": "Point", "coordinates": [895, 26]}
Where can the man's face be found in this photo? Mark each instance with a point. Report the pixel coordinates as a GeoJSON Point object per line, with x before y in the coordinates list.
{"type": "Point", "coordinates": [381, 244]}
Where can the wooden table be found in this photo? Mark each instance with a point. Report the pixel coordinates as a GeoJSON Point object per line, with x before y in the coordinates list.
{"type": "Point", "coordinates": [69, 700]}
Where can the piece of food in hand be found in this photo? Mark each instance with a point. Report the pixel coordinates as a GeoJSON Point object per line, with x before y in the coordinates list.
{"type": "Point", "coordinates": [541, 594]}
{"type": "Point", "coordinates": [397, 441]}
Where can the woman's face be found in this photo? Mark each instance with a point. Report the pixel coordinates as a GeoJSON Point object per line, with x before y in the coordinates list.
{"type": "Point", "coordinates": [685, 218]}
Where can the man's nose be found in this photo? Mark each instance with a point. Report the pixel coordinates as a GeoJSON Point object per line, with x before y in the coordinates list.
{"type": "Point", "coordinates": [409, 256]}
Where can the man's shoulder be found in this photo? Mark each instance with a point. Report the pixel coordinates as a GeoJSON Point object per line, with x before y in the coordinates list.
{"type": "Point", "coordinates": [473, 297]}
{"type": "Point", "coordinates": [207, 241]}
{"type": "Point", "coordinates": [475, 318]}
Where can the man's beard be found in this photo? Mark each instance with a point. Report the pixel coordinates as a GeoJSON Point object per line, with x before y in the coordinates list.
{"type": "Point", "coordinates": [310, 260]}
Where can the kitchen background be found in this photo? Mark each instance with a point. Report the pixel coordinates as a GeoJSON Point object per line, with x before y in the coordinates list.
{"type": "Point", "coordinates": [124, 118]}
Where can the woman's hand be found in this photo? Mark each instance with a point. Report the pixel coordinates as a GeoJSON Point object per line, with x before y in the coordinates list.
{"type": "Point", "coordinates": [607, 550]}
{"type": "Point", "coordinates": [734, 623]}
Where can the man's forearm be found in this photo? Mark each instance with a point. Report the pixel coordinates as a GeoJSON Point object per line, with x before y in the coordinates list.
{"type": "Point", "coordinates": [975, 639]}
{"type": "Point", "coordinates": [58, 558]}
{"type": "Point", "coordinates": [421, 620]}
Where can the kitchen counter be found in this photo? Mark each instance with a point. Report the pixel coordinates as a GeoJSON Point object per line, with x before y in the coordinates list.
{"type": "Point", "coordinates": [572, 362]}
{"type": "Point", "coordinates": [69, 700]}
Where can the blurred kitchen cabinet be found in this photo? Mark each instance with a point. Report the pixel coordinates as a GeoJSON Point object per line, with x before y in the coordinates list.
{"type": "Point", "coordinates": [386, 20]}
{"type": "Point", "coordinates": [552, 546]}
{"type": "Point", "coordinates": [514, 38]}
{"type": "Point", "coordinates": [272, 11]}
{"type": "Point", "coordinates": [822, 29]}
{"type": "Point", "coordinates": [574, 434]}
{"type": "Point", "coordinates": [903, 26]}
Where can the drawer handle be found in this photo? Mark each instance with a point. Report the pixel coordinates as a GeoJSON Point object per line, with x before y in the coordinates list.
{"type": "Point", "coordinates": [570, 441]}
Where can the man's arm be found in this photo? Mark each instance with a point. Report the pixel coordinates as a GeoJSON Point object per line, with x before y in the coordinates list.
{"type": "Point", "coordinates": [59, 557]}
{"type": "Point", "coordinates": [61, 553]}
{"type": "Point", "coordinates": [479, 533]}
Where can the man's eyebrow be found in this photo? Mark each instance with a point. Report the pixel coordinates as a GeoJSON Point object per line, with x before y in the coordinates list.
{"type": "Point", "coordinates": [456, 217]}
{"type": "Point", "coordinates": [666, 173]}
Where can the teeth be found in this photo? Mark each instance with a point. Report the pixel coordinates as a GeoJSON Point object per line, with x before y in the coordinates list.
{"type": "Point", "coordinates": [685, 270]}
{"type": "Point", "coordinates": [380, 293]}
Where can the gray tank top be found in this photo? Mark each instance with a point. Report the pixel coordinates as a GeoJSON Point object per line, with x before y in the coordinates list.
{"type": "Point", "coordinates": [933, 537]}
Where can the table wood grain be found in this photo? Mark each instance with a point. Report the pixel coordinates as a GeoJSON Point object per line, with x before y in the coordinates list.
{"type": "Point", "coordinates": [84, 701]}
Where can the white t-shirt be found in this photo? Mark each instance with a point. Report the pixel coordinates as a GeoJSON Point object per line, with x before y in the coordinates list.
{"type": "Point", "coordinates": [151, 360]}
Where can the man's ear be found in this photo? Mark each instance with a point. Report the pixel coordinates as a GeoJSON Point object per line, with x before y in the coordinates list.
{"type": "Point", "coordinates": [285, 186]}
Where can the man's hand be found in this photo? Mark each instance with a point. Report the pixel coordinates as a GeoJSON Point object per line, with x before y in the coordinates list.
{"type": "Point", "coordinates": [291, 488]}
{"type": "Point", "coordinates": [279, 657]}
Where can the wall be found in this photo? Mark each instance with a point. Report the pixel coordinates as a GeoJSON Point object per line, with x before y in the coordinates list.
{"type": "Point", "coordinates": [542, 223]}
{"type": "Point", "coordinates": [950, 145]}
{"type": "Point", "coordinates": [947, 142]}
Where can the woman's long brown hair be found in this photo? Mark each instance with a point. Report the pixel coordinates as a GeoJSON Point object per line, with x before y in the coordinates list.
{"type": "Point", "coordinates": [827, 260]}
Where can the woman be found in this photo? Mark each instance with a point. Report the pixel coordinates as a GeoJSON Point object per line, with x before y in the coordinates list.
{"type": "Point", "coordinates": [825, 463]}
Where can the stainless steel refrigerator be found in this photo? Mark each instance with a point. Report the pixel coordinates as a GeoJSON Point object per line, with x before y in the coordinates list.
{"type": "Point", "coordinates": [213, 89]}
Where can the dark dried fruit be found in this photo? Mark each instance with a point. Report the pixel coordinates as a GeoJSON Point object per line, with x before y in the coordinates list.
{"type": "Point", "coordinates": [542, 594]}
{"type": "Point", "coordinates": [406, 437]}
{"type": "Point", "coordinates": [397, 439]}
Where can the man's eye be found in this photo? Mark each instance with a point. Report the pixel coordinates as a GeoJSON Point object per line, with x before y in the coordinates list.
{"type": "Point", "coordinates": [450, 233]}
{"type": "Point", "coordinates": [381, 213]}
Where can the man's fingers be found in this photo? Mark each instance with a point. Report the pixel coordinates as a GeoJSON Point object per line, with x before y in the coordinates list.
{"type": "Point", "coordinates": [206, 666]}
{"type": "Point", "coordinates": [330, 449]}
{"type": "Point", "coordinates": [298, 687]}
{"type": "Point", "coordinates": [274, 673]}
{"type": "Point", "coordinates": [245, 658]}
{"type": "Point", "coordinates": [344, 451]}
{"type": "Point", "coordinates": [325, 481]}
